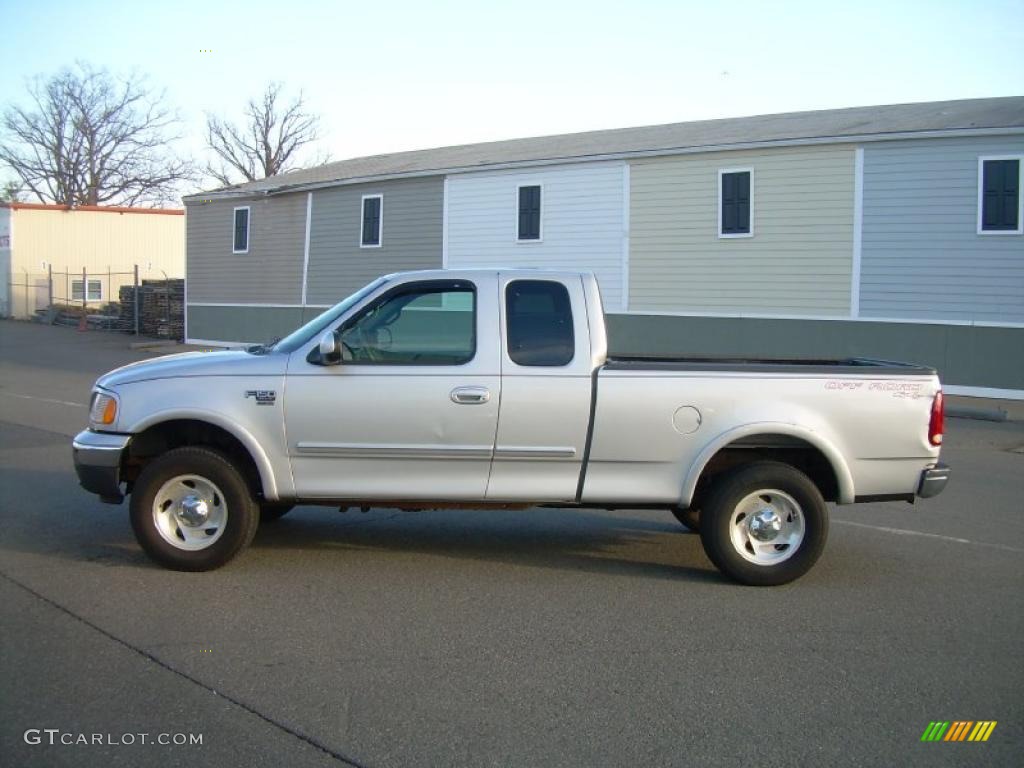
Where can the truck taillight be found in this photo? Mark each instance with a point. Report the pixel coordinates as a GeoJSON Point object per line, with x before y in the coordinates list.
{"type": "Point", "coordinates": [938, 420]}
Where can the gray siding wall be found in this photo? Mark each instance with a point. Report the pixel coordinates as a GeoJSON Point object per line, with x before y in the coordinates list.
{"type": "Point", "coordinates": [411, 235]}
{"type": "Point", "coordinates": [921, 254]}
{"type": "Point", "coordinates": [270, 273]}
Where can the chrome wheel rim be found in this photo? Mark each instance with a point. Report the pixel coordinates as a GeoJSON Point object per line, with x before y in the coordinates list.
{"type": "Point", "coordinates": [189, 512]}
{"type": "Point", "coordinates": [767, 527]}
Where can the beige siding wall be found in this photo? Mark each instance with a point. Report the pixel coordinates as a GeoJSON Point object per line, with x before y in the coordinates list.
{"type": "Point", "coordinates": [799, 260]}
{"type": "Point", "coordinates": [107, 244]}
{"type": "Point", "coordinates": [270, 273]}
{"type": "Point", "coordinates": [98, 240]}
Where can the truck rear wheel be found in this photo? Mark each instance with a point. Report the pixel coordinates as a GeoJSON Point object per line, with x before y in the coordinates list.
{"type": "Point", "coordinates": [192, 510]}
{"type": "Point", "coordinates": [764, 524]}
{"type": "Point", "coordinates": [271, 511]}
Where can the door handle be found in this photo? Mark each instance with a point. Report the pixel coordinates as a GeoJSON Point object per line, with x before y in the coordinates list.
{"type": "Point", "coordinates": [470, 395]}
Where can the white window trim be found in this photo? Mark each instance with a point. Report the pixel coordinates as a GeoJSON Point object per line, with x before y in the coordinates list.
{"type": "Point", "coordinates": [624, 279]}
{"type": "Point", "coordinates": [444, 225]}
{"type": "Point", "coordinates": [1020, 194]}
{"type": "Point", "coordinates": [540, 225]}
{"type": "Point", "coordinates": [86, 289]}
{"type": "Point", "coordinates": [858, 231]}
{"type": "Point", "coordinates": [248, 227]}
{"type": "Point", "coordinates": [718, 226]}
{"type": "Point", "coordinates": [305, 245]}
{"type": "Point", "coordinates": [380, 220]}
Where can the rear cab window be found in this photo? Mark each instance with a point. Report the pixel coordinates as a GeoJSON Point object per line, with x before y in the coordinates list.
{"type": "Point", "coordinates": [539, 323]}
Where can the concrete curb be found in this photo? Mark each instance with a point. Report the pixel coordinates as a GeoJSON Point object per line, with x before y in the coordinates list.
{"type": "Point", "coordinates": [155, 344]}
{"type": "Point", "coordinates": [979, 414]}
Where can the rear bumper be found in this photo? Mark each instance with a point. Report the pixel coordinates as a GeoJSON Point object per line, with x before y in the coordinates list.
{"type": "Point", "coordinates": [933, 481]}
{"type": "Point", "coordinates": [97, 458]}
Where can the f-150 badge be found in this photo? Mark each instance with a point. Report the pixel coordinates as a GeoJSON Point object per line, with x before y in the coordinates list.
{"type": "Point", "coordinates": [262, 396]}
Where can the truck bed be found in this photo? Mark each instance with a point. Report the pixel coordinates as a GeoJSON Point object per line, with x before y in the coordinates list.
{"type": "Point", "coordinates": [849, 365]}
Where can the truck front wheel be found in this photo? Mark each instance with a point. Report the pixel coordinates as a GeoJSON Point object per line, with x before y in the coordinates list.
{"type": "Point", "coordinates": [272, 511]}
{"type": "Point", "coordinates": [764, 524]}
{"type": "Point", "coordinates": [688, 517]}
{"type": "Point", "coordinates": [192, 510]}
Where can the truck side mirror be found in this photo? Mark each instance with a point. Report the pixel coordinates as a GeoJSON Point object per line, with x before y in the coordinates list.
{"type": "Point", "coordinates": [330, 349]}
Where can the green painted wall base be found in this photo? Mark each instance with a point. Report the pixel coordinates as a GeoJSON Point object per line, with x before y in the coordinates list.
{"type": "Point", "coordinates": [246, 324]}
{"type": "Point", "coordinates": [966, 356]}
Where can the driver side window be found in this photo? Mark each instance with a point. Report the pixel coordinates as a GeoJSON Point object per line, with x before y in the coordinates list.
{"type": "Point", "coordinates": [431, 323]}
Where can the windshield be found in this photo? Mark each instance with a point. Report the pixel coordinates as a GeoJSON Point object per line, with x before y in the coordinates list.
{"type": "Point", "coordinates": [321, 322]}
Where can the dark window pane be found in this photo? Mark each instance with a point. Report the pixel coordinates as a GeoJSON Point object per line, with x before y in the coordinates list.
{"type": "Point", "coordinates": [371, 221]}
{"type": "Point", "coordinates": [990, 214]}
{"type": "Point", "coordinates": [422, 324]}
{"type": "Point", "coordinates": [1010, 210]}
{"type": "Point", "coordinates": [1011, 193]}
{"type": "Point", "coordinates": [539, 318]}
{"type": "Point", "coordinates": [743, 187]}
{"type": "Point", "coordinates": [729, 187]}
{"type": "Point", "coordinates": [529, 213]}
{"type": "Point", "coordinates": [729, 223]}
{"type": "Point", "coordinates": [1011, 176]}
{"type": "Point", "coordinates": [1000, 201]}
{"type": "Point", "coordinates": [735, 203]}
{"type": "Point", "coordinates": [241, 229]}
{"type": "Point", "coordinates": [993, 177]}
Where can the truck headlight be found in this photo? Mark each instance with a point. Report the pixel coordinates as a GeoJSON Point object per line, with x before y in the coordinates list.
{"type": "Point", "coordinates": [103, 409]}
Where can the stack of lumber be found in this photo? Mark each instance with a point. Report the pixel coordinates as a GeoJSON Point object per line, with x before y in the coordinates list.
{"type": "Point", "coordinates": [161, 308]}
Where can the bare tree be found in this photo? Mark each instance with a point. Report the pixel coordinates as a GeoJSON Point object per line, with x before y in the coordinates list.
{"type": "Point", "coordinates": [268, 141]}
{"type": "Point", "coordinates": [89, 138]}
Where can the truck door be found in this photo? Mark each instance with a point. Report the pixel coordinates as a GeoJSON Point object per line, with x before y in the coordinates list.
{"type": "Point", "coordinates": [545, 390]}
{"type": "Point", "coordinates": [411, 412]}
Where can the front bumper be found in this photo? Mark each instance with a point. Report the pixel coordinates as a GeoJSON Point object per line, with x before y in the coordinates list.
{"type": "Point", "coordinates": [98, 463]}
{"type": "Point", "coordinates": [933, 481]}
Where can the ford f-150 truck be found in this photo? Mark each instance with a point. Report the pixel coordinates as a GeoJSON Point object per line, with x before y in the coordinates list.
{"type": "Point", "coordinates": [494, 388]}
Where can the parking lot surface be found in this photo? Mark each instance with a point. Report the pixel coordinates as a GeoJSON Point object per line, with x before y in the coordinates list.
{"type": "Point", "coordinates": [462, 638]}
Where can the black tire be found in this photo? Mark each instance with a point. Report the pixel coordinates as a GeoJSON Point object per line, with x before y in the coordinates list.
{"type": "Point", "coordinates": [688, 517]}
{"type": "Point", "coordinates": [240, 512]}
{"type": "Point", "coordinates": [271, 511]}
{"type": "Point", "coordinates": [717, 523]}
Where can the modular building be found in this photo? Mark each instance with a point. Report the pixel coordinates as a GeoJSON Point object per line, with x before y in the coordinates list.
{"type": "Point", "coordinates": [888, 232]}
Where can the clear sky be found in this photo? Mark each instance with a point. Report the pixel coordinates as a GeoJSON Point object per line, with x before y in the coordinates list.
{"type": "Point", "coordinates": [387, 76]}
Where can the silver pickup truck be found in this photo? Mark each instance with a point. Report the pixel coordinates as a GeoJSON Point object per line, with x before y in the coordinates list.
{"type": "Point", "coordinates": [494, 388]}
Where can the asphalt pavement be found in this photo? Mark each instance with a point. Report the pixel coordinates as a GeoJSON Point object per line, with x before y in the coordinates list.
{"type": "Point", "coordinates": [464, 638]}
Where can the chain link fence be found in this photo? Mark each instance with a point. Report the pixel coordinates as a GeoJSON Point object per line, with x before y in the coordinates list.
{"type": "Point", "coordinates": [101, 301]}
